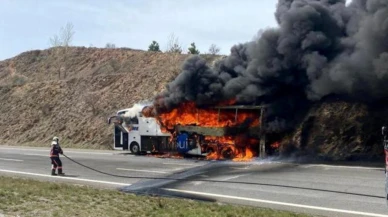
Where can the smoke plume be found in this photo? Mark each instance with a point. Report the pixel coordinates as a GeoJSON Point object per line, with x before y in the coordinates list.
{"type": "Point", "coordinates": [320, 48]}
{"type": "Point", "coordinates": [135, 109]}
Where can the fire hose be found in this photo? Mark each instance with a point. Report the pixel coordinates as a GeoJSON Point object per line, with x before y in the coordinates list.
{"type": "Point", "coordinates": [213, 181]}
{"type": "Point", "coordinates": [147, 177]}
{"type": "Point", "coordinates": [158, 178]}
{"type": "Point", "coordinates": [133, 177]}
{"type": "Point", "coordinates": [99, 171]}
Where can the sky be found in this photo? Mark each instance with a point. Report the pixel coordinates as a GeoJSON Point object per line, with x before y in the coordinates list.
{"type": "Point", "coordinates": [29, 24]}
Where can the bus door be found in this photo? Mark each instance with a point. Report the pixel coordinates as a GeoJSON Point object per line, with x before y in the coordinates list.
{"type": "Point", "coordinates": [120, 136]}
{"type": "Point", "coordinates": [124, 136]}
{"type": "Point", "coordinates": [117, 137]}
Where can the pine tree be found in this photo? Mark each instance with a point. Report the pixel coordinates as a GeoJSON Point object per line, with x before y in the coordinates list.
{"type": "Point", "coordinates": [154, 46]}
{"type": "Point", "coordinates": [193, 49]}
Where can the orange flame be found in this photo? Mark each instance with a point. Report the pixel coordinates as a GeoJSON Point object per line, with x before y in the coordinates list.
{"type": "Point", "coordinates": [222, 140]}
{"type": "Point", "coordinates": [166, 155]}
{"type": "Point", "coordinates": [237, 154]}
{"type": "Point", "coordinates": [238, 147]}
{"type": "Point", "coordinates": [189, 114]}
{"type": "Point", "coordinates": [247, 156]}
{"type": "Point", "coordinates": [275, 145]}
{"type": "Point", "coordinates": [213, 156]}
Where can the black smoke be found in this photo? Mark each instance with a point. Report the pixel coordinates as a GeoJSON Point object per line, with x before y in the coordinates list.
{"type": "Point", "coordinates": [320, 48]}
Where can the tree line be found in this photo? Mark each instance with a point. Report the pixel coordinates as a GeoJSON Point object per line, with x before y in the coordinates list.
{"type": "Point", "coordinates": [66, 34]}
{"type": "Point", "coordinates": [173, 46]}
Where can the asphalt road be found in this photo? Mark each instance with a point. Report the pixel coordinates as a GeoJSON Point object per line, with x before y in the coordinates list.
{"type": "Point", "coordinates": [322, 190]}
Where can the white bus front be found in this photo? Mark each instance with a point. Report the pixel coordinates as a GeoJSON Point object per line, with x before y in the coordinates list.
{"type": "Point", "coordinates": [139, 134]}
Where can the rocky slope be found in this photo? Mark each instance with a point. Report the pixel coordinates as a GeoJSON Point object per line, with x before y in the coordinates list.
{"type": "Point", "coordinates": [340, 130]}
{"type": "Point", "coordinates": [37, 104]}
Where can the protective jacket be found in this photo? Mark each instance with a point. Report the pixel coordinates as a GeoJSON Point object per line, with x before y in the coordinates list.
{"type": "Point", "coordinates": [55, 149]}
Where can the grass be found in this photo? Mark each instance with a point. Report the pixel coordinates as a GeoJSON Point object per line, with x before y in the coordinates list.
{"type": "Point", "coordinates": [26, 197]}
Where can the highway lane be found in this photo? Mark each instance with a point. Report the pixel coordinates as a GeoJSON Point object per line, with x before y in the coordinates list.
{"type": "Point", "coordinates": [308, 188]}
{"type": "Point", "coordinates": [36, 160]}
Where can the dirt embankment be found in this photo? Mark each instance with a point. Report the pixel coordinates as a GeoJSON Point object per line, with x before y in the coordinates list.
{"type": "Point", "coordinates": [72, 93]}
{"type": "Point", "coordinates": [340, 130]}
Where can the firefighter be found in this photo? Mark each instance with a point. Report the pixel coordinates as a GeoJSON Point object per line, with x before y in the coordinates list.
{"type": "Point", "coordinates": [384, 131]}
{"type": "Point", "coordinates": [56, 163]}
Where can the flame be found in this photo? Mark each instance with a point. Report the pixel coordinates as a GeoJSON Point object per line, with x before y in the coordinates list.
{"type": "Point", "coordinates": [213, 156]}
{"type": "Point", "coordinates": [167, 155]}
{"type": "Point", "coordinates": [275, 145]}
{"type": "Point", "coordinates": [236, 147]}
{"type": "Point", "coordinates": [239, 148]}
{"type": "Point", "coordinates": [189, 114]}
{"type": "Point", "coordinates": [222, 140]}
{"type": "Point", "coordinates": [238, 154]}
{"type": "Point", "coordinates": [247, 156]}
{"type": "Point", "coordinates": [148, 111]}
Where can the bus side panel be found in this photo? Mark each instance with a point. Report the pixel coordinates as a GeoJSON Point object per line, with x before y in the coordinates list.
{"type": "Point", "coordinates": [147, 126]}
{"type": "Point", "coordinates": [164, 144]}
{"type": "Point", "coordinates": [134, 137]}
{"type": "Point", "coordinates": [150, 127]}
{"type": "Point", "coordinates": [157, 143]}
{"type": "Point", "coordinates": [147, 143]}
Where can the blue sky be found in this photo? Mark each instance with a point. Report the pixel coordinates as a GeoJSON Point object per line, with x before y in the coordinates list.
{"type": "Point", "coordinates": [28, 24]}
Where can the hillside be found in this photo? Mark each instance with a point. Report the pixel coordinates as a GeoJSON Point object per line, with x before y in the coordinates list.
{"type": "Point", "coordinates": [340, 130]}
{"type": "Point", "coordinates": [37, 104]}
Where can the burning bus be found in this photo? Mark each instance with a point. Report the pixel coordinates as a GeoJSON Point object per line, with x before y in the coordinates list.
{"type": "Point", "coordinates": [219, 132]}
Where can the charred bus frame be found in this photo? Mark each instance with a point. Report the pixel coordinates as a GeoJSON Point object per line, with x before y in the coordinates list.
{"type": "Point", "coordinates": [256, 132]}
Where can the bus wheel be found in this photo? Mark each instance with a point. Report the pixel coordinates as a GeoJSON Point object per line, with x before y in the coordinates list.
{"type": "Point", "coordinates": [209, 150]}
{"type": "Point", "coordinates": [227, 153]}
{"type": "Point", "coordinates": [135, 148]}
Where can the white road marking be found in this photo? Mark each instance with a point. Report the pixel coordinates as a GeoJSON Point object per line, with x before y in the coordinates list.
{"type": "Point", "coordinates": [277, 203]}
{"type": "Point", "coordinates": [180, 164]}
{"type": "Point", "coordinates": [144, 171]}
{"type": "Point", "coordinates": [233, 177]}
{"type": "Point", "coordinates": [48, 150]}
{"type": "Point", "coordinates": [64, 177]}
{"type": "Point", "coordinates": [338, 166]}
{"type": "Point", "coordinates": [87, 153]}
{"type": "Point", "coordinates": [240, 168]}
{"type": "Point", "coordinates": [41, 155]}
{"type": "Point", "coordinates": [8, 159]}
{"type": "Point", "coordinates": [196, 182]}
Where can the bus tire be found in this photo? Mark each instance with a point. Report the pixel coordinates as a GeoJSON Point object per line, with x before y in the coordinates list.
{"type": "Point", "coordinates": [227, 153]}
{"type": "Point", "coordinates": [210, 150]}
{"type": "Point", "coordinates": [135, 148]}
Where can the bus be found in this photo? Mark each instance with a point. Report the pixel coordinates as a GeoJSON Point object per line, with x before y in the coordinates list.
{"type": "Point", "coordinates": [139, 134]}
